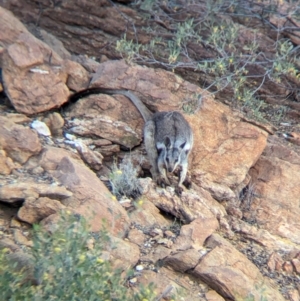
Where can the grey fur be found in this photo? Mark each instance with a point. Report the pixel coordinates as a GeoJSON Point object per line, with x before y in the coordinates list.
{"type": "Point", "coordinates": [168, 140]}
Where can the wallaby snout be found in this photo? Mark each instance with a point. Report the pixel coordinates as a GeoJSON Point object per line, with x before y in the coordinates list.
{"type": "Point", "coordinates": [170, 169]}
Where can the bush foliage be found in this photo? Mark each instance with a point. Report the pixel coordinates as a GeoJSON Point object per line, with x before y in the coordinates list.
{"type": "Point", "coordinates": [65, 269]}
{"type": "Point", "coordinates": [232, 46]}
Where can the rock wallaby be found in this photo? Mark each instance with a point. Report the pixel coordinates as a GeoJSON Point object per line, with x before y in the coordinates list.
{"type": "Point", "coordinates": [167, 135]}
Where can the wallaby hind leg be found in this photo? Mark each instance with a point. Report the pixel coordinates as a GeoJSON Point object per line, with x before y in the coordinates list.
{"type": "Point", "coordinates": [188, 181]}
{"type": "Point", "coordinates": [182, 178]}
{"type": "Point", "coordinates": [163, 180]}
{"type": "Point", "coordinates": [158, 175]}
{"type": "Point", "coordinates": [149, 140]}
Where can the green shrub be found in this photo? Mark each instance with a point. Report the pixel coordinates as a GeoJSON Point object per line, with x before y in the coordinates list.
{"type": "Point", "coordinates": [65, 269]}
{"type": "Point", "coordinates": [214, 27]}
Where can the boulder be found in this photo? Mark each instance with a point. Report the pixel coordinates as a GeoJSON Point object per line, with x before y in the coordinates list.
{"type": "Point", "coordinates": [18, 141]}
{"type": "Point", "coordinates": [233, 276]}
{"type": "Point", "coordinates": [90, 197]}
{"type": "Point", "coordinates": [275, 201]}
{"type": "Point", "coordinates": [33, 77]}
{"type": "Point", "coordinates": [104, 116]}
{"type": "Point", "coordinates": [34, 210]}
{"type": "Point", "coordinates": [22, 190]}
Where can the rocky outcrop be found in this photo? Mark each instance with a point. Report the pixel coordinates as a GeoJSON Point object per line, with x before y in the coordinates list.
{"type": "Point", "coordinates": [274, 203]}
{"type": "Point", "coordinates": [35, 77]}
{"type": "Point", "coordinates": [95, 32]}
{"type": "Point", "coordinates": [244, 183]}
{"type": "Point", "coordinates": [107, 117]}
{"type": "Point", "coordinates": [101, 14]}
{"type": "Point", "coordinates": [45, 84]}
{"type": "Point", "coordinates": [91, 197]}
{"type": "Point", "coordinates": [11, 193]}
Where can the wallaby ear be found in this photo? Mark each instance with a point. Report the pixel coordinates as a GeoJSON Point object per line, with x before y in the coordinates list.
{"type": "Point", "coordinates": [167, 142]}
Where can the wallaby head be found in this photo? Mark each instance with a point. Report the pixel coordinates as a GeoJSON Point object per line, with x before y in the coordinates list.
{"type": "Point", "coordinates": [171, 154]}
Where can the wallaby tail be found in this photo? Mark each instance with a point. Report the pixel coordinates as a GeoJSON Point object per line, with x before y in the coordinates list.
{"type": "Point", "coordinates": [145, 112]}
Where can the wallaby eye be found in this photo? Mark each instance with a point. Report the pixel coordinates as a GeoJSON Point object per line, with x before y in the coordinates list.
{"type": "Point", "coordinates": [182, 145]}
{"type": "Point", "coordinates": [159, 150]}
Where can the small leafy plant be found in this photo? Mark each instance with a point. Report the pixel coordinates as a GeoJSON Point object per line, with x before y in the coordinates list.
{"type": "Point", "coordinates": [65, 269]}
